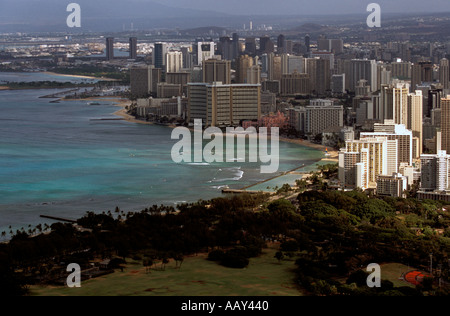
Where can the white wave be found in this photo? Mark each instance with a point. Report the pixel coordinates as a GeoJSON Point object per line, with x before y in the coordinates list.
{"type": "Point", "coordinates": [237, 174]}
{"type": "Point", "coordinates": [198, 164]}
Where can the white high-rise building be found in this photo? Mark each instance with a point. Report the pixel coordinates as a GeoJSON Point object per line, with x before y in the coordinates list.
{"type": "Point", "coordinates": [397, 132]}
{"type": "Point", "coordinates": [205, 51]}
{"type": "Point", "coordinates": [381, 156]}
{"type": "Point", "coordinates": [415, 120]}
{"type": "Point", "coordinates": [435, 172]}
{"type": "Point", "coordinates": [174, 61]}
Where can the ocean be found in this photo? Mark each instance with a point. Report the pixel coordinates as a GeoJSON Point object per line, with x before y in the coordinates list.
{"type": "Point", "coordinates": [60, 159]}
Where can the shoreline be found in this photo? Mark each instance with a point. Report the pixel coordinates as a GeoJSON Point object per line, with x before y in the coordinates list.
{"type": "Point", "coordinates": [78, 76]}
{"type": "Point", "coordinates": [332, 158]}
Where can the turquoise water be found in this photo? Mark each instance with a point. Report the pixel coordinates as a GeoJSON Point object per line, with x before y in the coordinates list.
{"type": "Point", "coordinates": [59, 159]}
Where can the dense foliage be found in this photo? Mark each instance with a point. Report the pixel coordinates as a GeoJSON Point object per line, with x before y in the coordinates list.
{"type": "Point", "coordinates": [331, 234]}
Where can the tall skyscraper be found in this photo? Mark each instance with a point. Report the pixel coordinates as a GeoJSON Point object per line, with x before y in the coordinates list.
{"type": "Point", "coordinates": [435, 172]}
{"type": "Point", "coordinates": [445, 123]}
{"type": "Point", "coordinates": [225, 48]}
{"type": "Point", "coordinates": [109, 48]}
{"type": "Point", "coordinates": [444, 73]}
{"type": "Point", "coordinates": [281, 44]}
{"type": "Point", "coordinates": [254, 74]}
{"type": "Point", "coordinates": [244, 62]}
{"type": "Point", "coordinates": [205, 51]}
{"type": "Point", "coordinates": [217, 71]}
{"type": "Point", "coordinates": [224, 105]}
{"type": "Point", "coordinates": [235, 46]}
{"type": "Point", "coordinates": [295, 63]}
{"type": "Point", "coordinates": [308, 43]}
{"type": "Point", "coordinates": [250, 46]}
{"type": "Point", "coordinates": [395, 132]}
{"type": "Point", "coordinates": [394, 102]}
{"type": "Point", "coordinates": [320, 75]}
{"type": "Point", "coordinates": [133, 48]}
{"type": "Point", "coordinates": [415, 120]}
{"type": "Point", "coordinates": [174, 61]}
{"type": "Point", "coordinates": [159, 55]}
{"type": "Point", "coordinates": [144, 81]}
{"type": "Point", "coordinates": [421, 72]}
{"type": "Point", "coordinates": [363, 69]}
{"type": "Point", "coordinates": [266, 45]}
{"type": "Point", "coordinates": [321, 114]}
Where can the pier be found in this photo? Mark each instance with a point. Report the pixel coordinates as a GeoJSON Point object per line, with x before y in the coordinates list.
{"type": "Point", "coordinates": [58, 94]}
{"type": "Point", "coordinates": [244, 190]}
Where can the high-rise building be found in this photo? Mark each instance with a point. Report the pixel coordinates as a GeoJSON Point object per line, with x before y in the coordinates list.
{"type": "Point", "coordinates": [144, 81]}
{"type": "Point", "coordinates": [133, 47]}
{"type": "Point", "coordinates": [281, 44]}
{"type": "Point", "coordinates": [159, 55]}
{"type": "Point", "coordinates": [266, 45]}
{"type": "Point", "coordinates": [235, 44]}
{"type": "Point", "coordinates": [295, 84]}
{"type": "Point", "coordinates": [354, 169]}
{"type": "Point", "coordinates": [415, 120]}
{"type": "Point", "coordinates": [308, 43]}
{"type": "Point", "coordinates": [243, 64]}
{"type": "Point", "coordinates": [445, 123]}
{"type": "Point", "coordinates": [188, 57]}
{"type": "Point", "coordinates": [217, 71]}
{"type": "Point", "coordinates": [109, 48]}
{"type": "Point", "coordinates": [174, 61]}
{"type": "Point", "coordinates": [444, 73]}
{"type": "Point", "coordinates": [254, 74]}
{"type": "Point", "coordinates": [224, 105]}
{"type": "Point", "coordinates": [321, 114]}
{"type": "Point", "coordinates": [225, 48]}
{"type": "Point", "coordinates": [338, 83]}
{"type": "Point", "coordinates": [394, 102]}
{"type": "Point", "coordinates": [295, 64]}
{"type": "Point", "coordinates": [435, 172]}
{"type": "Point", "coordinates": [396, 132]}
{"type": "Point", "coordinates": [381, 154]}
{"type": "Point", "coordinates": [324, 55]}
{"type": "Point", "coordinates": [421, 72]}
{"type": "Point", "coordinates": [394, 185]}
{"type": "Point", "coordinates": [181, 78]}
{"type": "Point", "coordinates": [250, 46]}
{"type": "Point", "coordinates": [362, 69]}
{"type": "Point", "coordinates": [205, 51]}
{"type": "Point", "coordinates": [320, 75]}
{"type": "Point", "coordinates": [401, 70]}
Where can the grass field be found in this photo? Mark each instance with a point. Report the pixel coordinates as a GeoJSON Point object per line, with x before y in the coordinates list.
{"type": "Point", "coordinates": [393, 272]}
{"type": "Point", "coordinates": [264, 276]}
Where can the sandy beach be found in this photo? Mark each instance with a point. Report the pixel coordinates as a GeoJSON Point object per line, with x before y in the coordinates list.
{"type": "Point", "coordinates": [122, 103]}
{"type": "Point", "coordinates": [4, 88]}
{"type": "Point", "coordinates": [333, 154]}
{"type": "Point", "coordinates": [77, 76]}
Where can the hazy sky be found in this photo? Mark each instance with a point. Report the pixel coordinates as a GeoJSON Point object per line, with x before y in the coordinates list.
{"type": "Point", "coordinates": [310, 6]}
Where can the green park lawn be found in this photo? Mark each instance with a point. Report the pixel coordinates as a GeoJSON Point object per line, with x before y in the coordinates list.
{"type": "Point", "coordinates": [264, 276]}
